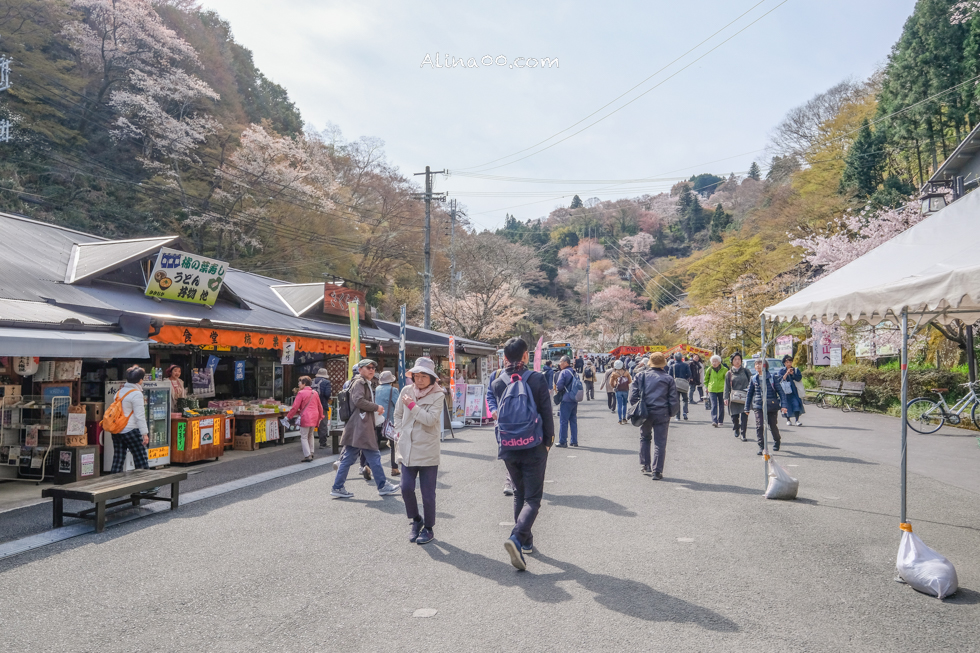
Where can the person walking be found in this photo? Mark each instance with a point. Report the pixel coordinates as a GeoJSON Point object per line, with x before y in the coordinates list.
{"type": "Point", "coordinates": [525, 466]}
{"type": "Point", "coordinates": [620, 381]}
{"type": "Point", "coordinates": [321, 384]}
{"type": "Point", "coordinates": [386, 396]}
{"type": "Point", "coordinates": [788, 377]}
{"type": "Point", "coordinates": [359, 434]}
{"type": "Point", "coordinates": [714, 383]}
{"type": "Point", "coordinates": [658, 391]}
{"type": "Point", "coordinates": [774, 400]}
{"type": "Point", "coordinates": [607, 386]}
{"type": "Point", "coordinates": [697, 370]}
{"type": "Point", "coordinates": [681, 372]}
{"type": "Point", "coordinates": [736, 388]}
{"type": "Point", "coordinates": [568, 406]}
{"type": "Point", "coordinates": [307, 406]}
{"type": "Point", "coordinates": [135, 435]}
{"type": "Point", "coordinates": [588, 377]}
{"type": "Point", "coordinates": [492, 405]}
{"type": "Point", "coordinates": [579, 365]}
{"type": "Point", "coordinates": [417, 421]}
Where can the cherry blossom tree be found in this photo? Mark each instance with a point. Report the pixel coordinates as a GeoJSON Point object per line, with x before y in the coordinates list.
{"type": "Point", "coordinates": [962, 12]}
{"type": "Point", "coordinates": [618, 313]}
{"type": "Point", "coordinates": [638, 244]}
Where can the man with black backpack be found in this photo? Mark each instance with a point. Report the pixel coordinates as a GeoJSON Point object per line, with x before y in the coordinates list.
{"type": "Point", "coordinates": [321, 385]}
{"type": "Point", "coordinates": [525, 433]}
{"type": "Point", "coordinates": [570, 391]}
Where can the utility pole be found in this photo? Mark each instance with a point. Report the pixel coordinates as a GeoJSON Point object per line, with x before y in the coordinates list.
{"type": "Point", "coordinates": [588, 280]}
{"type": "Point", "coordinates": [452, 248]}
{"type": "Point", "coordinates": [4, 85]}
{"type": "Point", "coordinates": [428, 196]}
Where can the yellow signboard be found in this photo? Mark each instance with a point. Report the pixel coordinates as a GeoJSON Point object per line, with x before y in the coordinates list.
{"type": "Point", "coordinates": [186, 277]}
{"type": "Point", "coordinates": [159, 452]}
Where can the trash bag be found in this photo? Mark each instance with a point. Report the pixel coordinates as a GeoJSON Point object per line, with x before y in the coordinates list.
{"type": "Point", "coordinates": [781, 484]}
{"type": "Point", "coordinates": [924, 569]}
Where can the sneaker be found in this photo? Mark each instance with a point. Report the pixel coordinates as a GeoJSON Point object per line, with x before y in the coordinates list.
{"type": "Point", "coordinates": [341, 493]}
{"type": "Point", "coordinates": [416, 528]}
{"type": "Point", "coordinates": [323, 446]}
{"type": "Point", "coordinates": [561, 446]}
{"type": "Point", "coordinates": [513, 548]}
{"type": "Point", "coordinates": [645, 470]}
{"type": "Point", "coordinates": [736, 435]}
{"type": "Point", "coordinates": [574, 444]}
{"type": "Point", "coordinates": [395, 471]}
{"type": "Point", "coordinates": [657, 476]}
{"type": "Point", "coordinates": [527, 549]}
{"type": "Point", "coordinates": [685, 418]}
{"type": "Point", "coordinates": [336, 465]}
{"type": "Point", "coordinates": [775, 447]}
{"type": "Point", "coordinates": [759, 452]}
{"type": "Point", "coordinates": [388, 489]}
{"type": "Point", "coordinates": [744, 439]}
{"type": "Point", "coordinates": [308, 459]}
{"type": "Point", "coordinates": [714, 424]}
{"type": "Point", "coordinates": [425, 536]}
{"type": "Point", "coordinates": [508, 490]}
{"type": "Point", "coordinates": [799, 423]}
{"type": "Point", "coordinates": [366, 473]}
{"type": "Point", "coordinates": [789, 423]}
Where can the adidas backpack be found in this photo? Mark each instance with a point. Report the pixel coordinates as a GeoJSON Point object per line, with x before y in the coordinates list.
{"type": "Point", "coordinates": [518, 424]}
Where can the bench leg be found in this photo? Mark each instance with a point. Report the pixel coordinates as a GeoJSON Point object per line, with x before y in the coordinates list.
{"type": "Point", "coordinates": [136, 500]}
{"type": "Point", "coordinates": [58, 516]}
{"type": "Point", "coordinates": [174, 495]}
{"type": "Point", "coordinates": [100, 516]}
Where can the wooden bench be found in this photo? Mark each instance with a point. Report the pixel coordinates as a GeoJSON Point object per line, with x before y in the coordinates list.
{"type": "Point", "coordinates": [850, 390]}
{"type": "Point", "coordinates": [134, 485]}
{"type": "Point", "coordinates": [828, 388]}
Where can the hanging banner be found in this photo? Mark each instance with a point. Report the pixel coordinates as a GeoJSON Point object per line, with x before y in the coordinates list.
{"type": "Point", "coordinates": [836, 356]}
{"type": "Point", "coordinates": [288, 352]}
{"type": "Point", "coordinates": [537, 354]}
{"type": "Point", "coordinates": [337, 301]}
{"type": "Point", "coordinates": [825, 339]}
{"type": "Point", "coordinates": [784, 346]}
{"type": "Point", "coordinates": [176, 335]}
{"type": "Point", "coordinates": [452, 359]}
{"type": "Point", "coordinates": [354, 353]}
{"type": "Point", "coordinates": [239, 370]}
{"type": "Point", "coordinates": [401, 348]}
{"type": "Point", "coordinates": [184, 277]}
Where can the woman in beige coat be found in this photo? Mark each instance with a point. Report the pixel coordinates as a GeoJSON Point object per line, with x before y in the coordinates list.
{"type": "Point", "coordinates": [417, 420]}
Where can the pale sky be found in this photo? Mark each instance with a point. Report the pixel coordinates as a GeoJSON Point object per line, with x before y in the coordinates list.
{"type": "Point", "coordinates": [358, 65]}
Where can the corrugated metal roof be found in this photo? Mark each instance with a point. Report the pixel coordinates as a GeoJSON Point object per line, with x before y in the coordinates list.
{"type": "Point", "coordinates": [89, 259]}
{"type": "Point", "coordinates": [13, 310]}
{"type": "Point", "coordinates": [34, 257]}
{"type": "Point", "coordinates": [418, 335]}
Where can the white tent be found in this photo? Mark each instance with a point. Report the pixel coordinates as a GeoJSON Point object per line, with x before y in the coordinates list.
{"type": "Point", "coordinates": [932, 269]}
{"type": "Point", "coordinates": [929, 273]}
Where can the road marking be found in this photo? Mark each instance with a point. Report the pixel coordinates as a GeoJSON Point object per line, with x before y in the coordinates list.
{"type": "Point", "coordinates": [506, 523]}
{"type": "Point", "coordinates": [832, 498]}
{"type": "Point", "coordinates": [549, 481]}
{"type": "Point", "coordinates": [424, 613]}
{"type": "Point", "coordinates": [685, 539]}
{"type": "Point", "coordinates": [792, 465]}
{"type": "Point", "coordinates": [681, 487]}
{"type": "Point", "coordinates": [573, 456]}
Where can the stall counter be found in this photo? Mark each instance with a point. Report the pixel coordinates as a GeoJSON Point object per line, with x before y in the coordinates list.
{"type": "Point", "coordinates": [199, 438]}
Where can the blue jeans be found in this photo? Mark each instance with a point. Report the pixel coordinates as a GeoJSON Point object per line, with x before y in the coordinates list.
{"type": "Point", "coordinates": [717, 407]}
{"type": "Point", "coordinates": [347, 458]}
{"type": "Point", "coordinates": [621, 398]}
{"type": "Point", "coordinates": [568, 416]}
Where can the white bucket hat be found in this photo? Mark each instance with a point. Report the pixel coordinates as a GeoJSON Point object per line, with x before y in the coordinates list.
{"type": "Point", "coordinates": [424, 365]}
{"type": "Point", "coordinates": [618, 365]}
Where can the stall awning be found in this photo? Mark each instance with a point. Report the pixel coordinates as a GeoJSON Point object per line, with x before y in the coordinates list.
{"type": "Point", "coordinates": [70, 344]}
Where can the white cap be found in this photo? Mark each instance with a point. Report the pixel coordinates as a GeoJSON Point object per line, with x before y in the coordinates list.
{"type": "Point", "coordinates": [618, 365]}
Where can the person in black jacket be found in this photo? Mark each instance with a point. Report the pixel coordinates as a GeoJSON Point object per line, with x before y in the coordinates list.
{"type": "Point", "coordinates": [321, 384]}
{"type": "Point", "coordinates": [696, 368]}
{"type": "Point", "coordinates": [659, 393]}
{"type": "Point", "coordinates": [525, 466]}
{"type": "Point", "coordinates": [681, 370]}
{"type": "Point", "coordinates": [774, 399]}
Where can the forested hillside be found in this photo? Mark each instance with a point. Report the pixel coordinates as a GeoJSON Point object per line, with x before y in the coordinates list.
{"type": "Point", "coordinates": [137, 117]}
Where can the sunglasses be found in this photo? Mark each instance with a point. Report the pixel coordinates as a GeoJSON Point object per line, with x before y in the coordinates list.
{"type": "Point", "coordinates": [369, 367]}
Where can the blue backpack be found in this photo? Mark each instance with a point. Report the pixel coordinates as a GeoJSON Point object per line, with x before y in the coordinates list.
{"type": "Point", "coordinates": [518, 424]}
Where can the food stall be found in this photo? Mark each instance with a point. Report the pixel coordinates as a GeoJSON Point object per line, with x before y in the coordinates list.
{"type": "Point", "coordinates": [200, 437]}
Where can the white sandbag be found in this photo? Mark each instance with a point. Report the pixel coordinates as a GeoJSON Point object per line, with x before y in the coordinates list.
{"type": "Point", "coordinates": [458, 425]}
{"type": "Point", "coordinates": [924, 569]}
{"type": "Point", "coordinates": [781, 484]}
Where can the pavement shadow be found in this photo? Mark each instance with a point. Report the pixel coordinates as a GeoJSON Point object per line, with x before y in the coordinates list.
{"type": "Point", "coordinates": [387, 507]}
{"type": "Point", "coordinates": [787, 443]}
{"type": "Point", "coordinates": [713, 487]}
{"type": "Point", "coordinates": [829, 459]}
{"type": "Point", "coordinates": [466, 454]}
{"type": "Point", "coordinates": [614, 452]}
{"type": "Point", "coordinates": [963, 596]}
{"type": "Point", "coordinates": [839, 428]}
{"type": "Point", "coordinates": [582, 502]}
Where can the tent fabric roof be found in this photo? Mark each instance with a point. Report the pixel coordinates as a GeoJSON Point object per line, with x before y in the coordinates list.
{"type": "Point", "coordinates": [71, 344]}
{"type": "Point", "coordinates": [933, 269]}
{"type": "Point", "coordinates": [90, 259]}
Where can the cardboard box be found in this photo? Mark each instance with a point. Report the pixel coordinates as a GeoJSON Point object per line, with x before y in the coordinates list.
{"type": "Point", "coordinates": [94, 410]}
{"type": "Point", "coordinates": [243, 443]}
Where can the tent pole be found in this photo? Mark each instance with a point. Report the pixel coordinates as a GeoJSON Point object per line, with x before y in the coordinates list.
{"type": "Point", "coordinates": [905, 408]}
{"type": "Point", "coordinates": [763, 387]}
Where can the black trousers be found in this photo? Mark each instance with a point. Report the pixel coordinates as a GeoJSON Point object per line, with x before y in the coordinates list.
{"type": "Point", "coordinates": [740, 422]}
{"type": "Point", "coordinates": [611, 400]}
{"type": "Point", "coordinates": [773, 419]}
{"type": "Point", "coordinates": [657, 433]}
{"type": "Point", "coordinates": [526, 469]}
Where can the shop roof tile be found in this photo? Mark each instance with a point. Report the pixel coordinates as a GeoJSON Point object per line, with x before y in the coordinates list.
{"type": "Point", "coordinates": [89, 259]}
{"type": "Point", "coordinates": [14, 310]}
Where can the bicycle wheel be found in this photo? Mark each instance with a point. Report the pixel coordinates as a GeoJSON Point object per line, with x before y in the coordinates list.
{"type": "Point", "coordinates": [975, 415]}
{"type": "Point", "coordinates": [925, 415]}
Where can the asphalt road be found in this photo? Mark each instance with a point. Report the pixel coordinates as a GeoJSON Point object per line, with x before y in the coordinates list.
{"type": "Point", "coordinates": [697, 562]}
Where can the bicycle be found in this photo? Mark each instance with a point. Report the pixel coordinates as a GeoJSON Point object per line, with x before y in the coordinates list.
{"type": "Point", "coordinates": [928, 416]}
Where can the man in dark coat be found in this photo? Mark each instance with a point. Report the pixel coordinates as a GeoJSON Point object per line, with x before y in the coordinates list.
{"type": "Point", "coordinates": [659, 393]}
{"type": "Point", "coordinates": [681, 370]}
{"type": "Point", "coordinates": [359, 434]}
{"type": "Point", "coordinates": [525, 466]}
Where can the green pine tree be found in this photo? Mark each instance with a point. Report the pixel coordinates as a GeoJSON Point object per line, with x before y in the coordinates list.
{"type": "Point", "coordinates": [865, 164]}
{"type": "Point", "coordinates": [755, 172]}
{"type": "Point", "coordinates": [719, 222]}
{"type": "Point", "coordinates": [576, 203]}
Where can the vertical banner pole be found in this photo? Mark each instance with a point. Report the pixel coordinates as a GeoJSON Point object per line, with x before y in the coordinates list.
{"type": "Point", "coordinates": [401, 348]}
{"type": "Point", "coordinates": [452, 363]}
{"type": "Point", "coordinates": [905, 408]}
{"type": "Point", "coordinates": [537, 354]}
{"type": "Point", "coordinates": [355, 334]}
{"type": "Point", "coordinates": [764, 388]}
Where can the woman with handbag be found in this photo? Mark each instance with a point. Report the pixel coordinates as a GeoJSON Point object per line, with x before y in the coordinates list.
{"type": "Point", "coordinates": [418, 412]}
{"type": "Point", "coordinates": [386, 395]}
{"type": "Point", "coordinates": [653, 400]}
{"type": "Point", "coordinates": [789, 376]}
{"type": "Point", "coordinates": [620, 381]}
{"type": "Point", "coordinates": [307, 405]}
{"type": "Point", "coordinates": [736, 389]}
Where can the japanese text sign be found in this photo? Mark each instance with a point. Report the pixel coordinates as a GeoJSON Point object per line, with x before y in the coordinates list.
{"type": "Point", "coordinates": [336, 301]}
{"type": "Point", "coordinates": [186, 277]}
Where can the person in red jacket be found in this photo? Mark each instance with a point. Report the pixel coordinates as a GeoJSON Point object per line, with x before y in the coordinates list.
{"type": "Point", "coordinates": [307, 405]}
